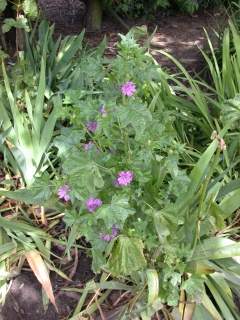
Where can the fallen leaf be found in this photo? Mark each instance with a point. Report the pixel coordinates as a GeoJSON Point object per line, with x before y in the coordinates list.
{"type": "Point", "coordinates": [41, 271]}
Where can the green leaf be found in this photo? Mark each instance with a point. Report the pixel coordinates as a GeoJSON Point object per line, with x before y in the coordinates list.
{"type": "Point", "coordinates": [153, 285]}
{"type": "Point", "coordinates": [7, 247]}
{"type": "Point", "coordinates": [3, 4]}
{"type": "Point", "coordinates": [38, 110]}
{"type": "Point", "coordinates": [127, 256]}
{"type": "Point", "coordinates": [162, 226]}
{"type": "Point", "coordinates": [112, 285]}
{"type": "Point", "coordinates": [115, 213]}
{"type": "Point", "coordinates": [38, 194]}
{"type": "Point", "coordinates": [98, 260]}
{"type": "Point", "coordinates": [216, 212]}
{"type": "Point", "coordinates": [66, 141]}
{"type": "Point", "coordinates": [199, 170]}
{"type": "Point", "coordinates": [19, 227]}
{"type": "Point", "coordinates": [47, 131]}
{"type": "Point", "coordinates": [30, 134]}
{"type": "Point", "coordinates": [20, 23]}
{"type": "Point", "coordinates": [202, 313]}
{"type": "Point", "coordinates": [30, 8]}
{"type": "Point", "coordinates": [216, 248]}
{"type": "Point", "coordinates": [230, 203]}
{"type": "Point", "coordinates": [84, 174]}
{"type": "Point", "coordinates": [210, 307]}
{"type": "Point", "coordinates": [136, 115]}
{"type": "Point", "coordinates": [197, 176]}
{"type": "Point", "coordinates": [194, 286]}
{"type": "Point", "coordinates": [221, 297]}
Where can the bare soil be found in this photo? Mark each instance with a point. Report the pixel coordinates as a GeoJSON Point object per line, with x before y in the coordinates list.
{"type": "Point", "coordinates": [180, 35]}
{"type": "Point", "coordinates": [24, 300]}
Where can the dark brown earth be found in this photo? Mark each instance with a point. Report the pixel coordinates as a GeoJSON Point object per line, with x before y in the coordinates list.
{"type": "Point", "coordinates": [24, 300]}
{"type": "Point", "coordinates": [180, 35]}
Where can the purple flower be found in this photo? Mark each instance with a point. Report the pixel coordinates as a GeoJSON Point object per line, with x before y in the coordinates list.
{"type": "Point", "coordinates": [128, 89]}
{"type": "Point", "coordinates": [124, 178]}
{"type": "Point", "coordinates": [93, 203]}
{"type": "Point", "coordinates": [106, 237]}
{"type": "Point", "coordinates": [103, 111]}
{"type": "Point", "coordinates": [115, 231]}
{"type": "Point", "coordinates": [63, 193]}
{"type": "Point", "coordinates": [92, 126]}
{"type": "Point", "coordinates": [88, 146]}
{"type": "Point", "coordinates": [109, 237]}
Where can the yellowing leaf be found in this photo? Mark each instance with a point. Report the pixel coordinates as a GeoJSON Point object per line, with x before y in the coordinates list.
{"type": "Point", "coordinates": [153, 285]}
{"type": "Point", "coordinates": [127, 256]}
{"type": "Point", "coordinates": [40, 270]}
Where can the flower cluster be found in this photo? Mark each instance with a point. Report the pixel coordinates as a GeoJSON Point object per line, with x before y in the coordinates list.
{"type": "Point", "coordinates": [108, 237]}
{"type": "Point", "coordinates": [124, 178]}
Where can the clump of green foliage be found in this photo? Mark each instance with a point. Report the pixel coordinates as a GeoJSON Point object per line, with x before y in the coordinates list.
{"type": "Point", "coordinates": [24, 9]}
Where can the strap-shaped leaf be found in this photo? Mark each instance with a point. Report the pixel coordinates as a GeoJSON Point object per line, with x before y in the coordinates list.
{"type": "Point", "coordinates": [216, 248]}
{"type": "Point", "coordinates": [38, 109]}
{"type": "Point", "coordinates": [230, 203]}
{"type": "Point", "coordinates": [41, 271]}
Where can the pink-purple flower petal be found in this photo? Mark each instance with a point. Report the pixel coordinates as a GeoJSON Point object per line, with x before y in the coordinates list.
{"type": "Point", "coordinates": [93, 204]}
{"type": "Point", "coordinates": [108, 237]}
{"type": "Point", "coordinates": [63, 193]}
{"type": "Point", "coordinates": [124, 178]}
{"type": "Point", "coordinates": [128, 89]}
{"type": "Point", "coordinates": [92, 126]}
{"type": "Point", "coordinates": [88, 146]}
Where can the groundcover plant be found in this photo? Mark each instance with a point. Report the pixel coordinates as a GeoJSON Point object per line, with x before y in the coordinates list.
{"type": "Point", "coordinates": [155, 210]}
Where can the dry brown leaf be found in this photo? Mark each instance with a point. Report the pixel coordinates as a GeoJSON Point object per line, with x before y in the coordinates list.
{"type": "Point", "coordinates": [40, 270]}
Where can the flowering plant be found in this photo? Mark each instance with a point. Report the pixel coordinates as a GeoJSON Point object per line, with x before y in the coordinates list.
{"type": "Point", "coordinates": [119, 165]}
{"type": "Point", "coordinates": [150, 209]}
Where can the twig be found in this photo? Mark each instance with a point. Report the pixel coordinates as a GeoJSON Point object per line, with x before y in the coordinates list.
{"type": "Point", "coordinates": [93, 298]}
{"type": "Point", "coordinates": [96, 293]}
{"type": "Point", "coordinates": [43, 217]}
{"type": "Point", "coordinates": [100, 309]}
{"type": "Point", "coordinates": [120, 298]}
{"type": "Point", "coordinates": [35, 216]}
{"type": "Point", "coordinates": [157, 315]}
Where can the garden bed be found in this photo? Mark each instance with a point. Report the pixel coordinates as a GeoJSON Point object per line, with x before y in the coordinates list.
{"type": "Point", "coordinates": [123, 179]}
